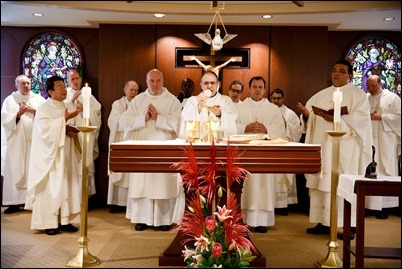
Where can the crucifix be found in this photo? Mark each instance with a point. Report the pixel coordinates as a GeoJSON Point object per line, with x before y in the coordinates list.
{"type": "Point", "coordinates": [212, 68]}
{"type": "Point", "coordinates": [227, 58]}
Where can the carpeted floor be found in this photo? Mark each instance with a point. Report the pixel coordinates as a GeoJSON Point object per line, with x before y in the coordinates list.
{"type": "Point", "coordinates": [113, 240]}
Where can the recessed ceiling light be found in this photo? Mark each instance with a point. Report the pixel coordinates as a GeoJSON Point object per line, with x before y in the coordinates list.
{"type": "Point", "coordinates": [267, 16]}
{"type": "Point", "coordinates": [159, 15]}
{"type": "Point", "coordinates": [389, 19]}
{"type": "Point", "coordinates": [38, 14]}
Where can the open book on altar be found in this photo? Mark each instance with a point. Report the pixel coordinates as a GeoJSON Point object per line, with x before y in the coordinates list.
{"type": "Point", "coordinates": [317, 110]}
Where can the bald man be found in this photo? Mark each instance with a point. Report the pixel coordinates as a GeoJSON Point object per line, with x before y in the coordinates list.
{"type": "Point", "coordinates": [118, 182]}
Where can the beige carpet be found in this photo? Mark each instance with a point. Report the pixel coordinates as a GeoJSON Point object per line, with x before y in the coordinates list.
{"type": "Point", "coordinates": [113, 240]}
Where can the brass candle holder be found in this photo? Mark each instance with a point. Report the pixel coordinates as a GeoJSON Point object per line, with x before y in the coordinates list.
{"type": "Point", "coordinates": [83, 258]}
{"type": "Point", "coordinates": [332, 259]}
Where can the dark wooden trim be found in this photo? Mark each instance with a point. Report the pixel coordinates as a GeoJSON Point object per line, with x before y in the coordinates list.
{"type": "Point", "coordinates": [255, 158]}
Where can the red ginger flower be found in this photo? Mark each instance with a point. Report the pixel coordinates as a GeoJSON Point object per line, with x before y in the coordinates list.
{"type": "Point", "coordinates": [217, 250]}
{"type": "Point", "coordinates": [221, 243]}
{"type": "Point", "coordinates": [210, 224]}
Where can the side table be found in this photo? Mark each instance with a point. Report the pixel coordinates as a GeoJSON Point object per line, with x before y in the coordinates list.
{"type": "Point", "coordinates": [383, 186]}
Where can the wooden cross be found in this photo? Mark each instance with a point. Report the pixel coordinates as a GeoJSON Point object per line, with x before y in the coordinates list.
{"type": "Point", "coordinates": [242, 57]}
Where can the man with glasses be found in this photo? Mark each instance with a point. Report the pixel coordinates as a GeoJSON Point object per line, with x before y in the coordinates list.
{"type": "Point", "coordinates": [355, 146]}
{"type": "Point", "coordinates": [285, 187]}
{"type": "Point", "coordinates": [235, 91]}
{"type": "Point", "coordinates": [210, 104]}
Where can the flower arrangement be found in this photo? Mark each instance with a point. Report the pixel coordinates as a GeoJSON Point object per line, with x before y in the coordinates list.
{"type": "Point", "coordinates": [217, 233]}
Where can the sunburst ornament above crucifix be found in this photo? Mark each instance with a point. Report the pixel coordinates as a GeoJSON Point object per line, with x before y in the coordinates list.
{"type": "Point", "coordinates": [216, 42]}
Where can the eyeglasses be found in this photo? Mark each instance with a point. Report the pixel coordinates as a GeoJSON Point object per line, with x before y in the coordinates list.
{"type": "Point", "coordinates": [276, 98]}
{"type": "Point", "coordinates": [213, 83]}
{"type": "Point", "coordinates": [235, 91]}
{"type": "Point", "coordinates": [59, 87]}
{"type": "Point", "coordinates": [341, 72]}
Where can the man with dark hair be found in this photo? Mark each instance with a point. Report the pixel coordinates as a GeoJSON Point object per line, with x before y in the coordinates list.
{"type": "Point", "coordinates": [285, 187]}
{"type": "Point", "coordinates": [258, 116]}
{"type": "Point", "coordinates": [355, 145]}
{"type": "Point", "coordinates": [186, 90]}
{"type": "Point", "coordinates": [53, 182]}
{"type": "Point", "coordinates": [235, 91]}
{"type": "Point", "coordinates": [209, 104]}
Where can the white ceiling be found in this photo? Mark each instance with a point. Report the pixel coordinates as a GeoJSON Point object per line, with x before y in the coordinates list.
{"type": "Point", "coordinates": [337, 15]}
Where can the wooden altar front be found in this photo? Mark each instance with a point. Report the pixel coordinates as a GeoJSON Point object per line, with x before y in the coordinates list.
{"type": "Point", "coordinates": [158, 157]}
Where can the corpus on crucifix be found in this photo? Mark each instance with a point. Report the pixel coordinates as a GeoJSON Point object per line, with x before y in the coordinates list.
{"type": "Point", "coordinates": [210, 67]}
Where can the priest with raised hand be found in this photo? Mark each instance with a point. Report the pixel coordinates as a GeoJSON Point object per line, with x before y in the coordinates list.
{"type": "Point", "coordinates": [355, 145]}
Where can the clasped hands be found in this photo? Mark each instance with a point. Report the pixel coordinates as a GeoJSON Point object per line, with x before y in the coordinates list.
{"type": "Point", "coordinates": [24, 107]}
{"type": "Point", "coordinates": [256, 127]}
{"type": "Point", "coordinates": [151, 113]}
{"type": "Point", "coordinates": [376, 116]}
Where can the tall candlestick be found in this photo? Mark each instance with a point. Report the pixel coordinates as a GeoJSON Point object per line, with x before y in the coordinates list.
{"type": "Point", "coordinates": [86, 98]}
{"type": "Point", "coordinates": [337, 98]}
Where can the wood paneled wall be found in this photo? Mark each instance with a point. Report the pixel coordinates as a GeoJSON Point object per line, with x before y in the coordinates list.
{"type": "Point", "coordinates": [296, 59]}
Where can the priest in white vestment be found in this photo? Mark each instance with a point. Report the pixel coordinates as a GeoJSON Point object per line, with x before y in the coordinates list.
{"type": "Point", "coordinates": [54, 190]}
{"type": "Point", "coordinates": [258, 115]}
{"type": "Point", "coordinates": [235, 91]}
{"type": "Point", "coordinates": [152, 115]}
{"type": "Point", "coordinates": [355, 145]}
{"type": "Point", "coordinates": [17, 116]}
{"type": "Point", "coordinates": [118, 182]}
{"type": "Point", "coordinates": [74, 94]}
{"type": "Point", "coordinates": [213, 106]}
{"type": "Point", "coordinates": [385, 109]}
{"type": "Point", "coordinates": [286, 189]}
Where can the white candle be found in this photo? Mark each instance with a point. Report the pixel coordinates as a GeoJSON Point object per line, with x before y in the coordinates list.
{"type": "Point", "coordinates": [337, 98]}
{"type": "Point", "coordinates": [86, 98]}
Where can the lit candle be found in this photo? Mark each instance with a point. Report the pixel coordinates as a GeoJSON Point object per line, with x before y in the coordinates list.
{"type": "Point", "coordinates": [86, 98]}
{"type": "Point", "coordinates": [337, 98]}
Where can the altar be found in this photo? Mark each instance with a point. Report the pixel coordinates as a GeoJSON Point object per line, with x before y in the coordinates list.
{"type": "Point", "coordinates": [158, 157]}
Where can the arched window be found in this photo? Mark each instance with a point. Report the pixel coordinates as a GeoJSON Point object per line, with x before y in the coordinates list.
{"type": "Point", "coordinates": [49, 54]}
{"type": "Point", "coordinates": [376, 56]}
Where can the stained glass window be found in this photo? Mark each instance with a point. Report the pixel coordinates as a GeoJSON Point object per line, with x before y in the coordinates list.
{"type": "Point", "coordinates": [49, 54]}
{"type": "Point", "coordinates": [376, 56]}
